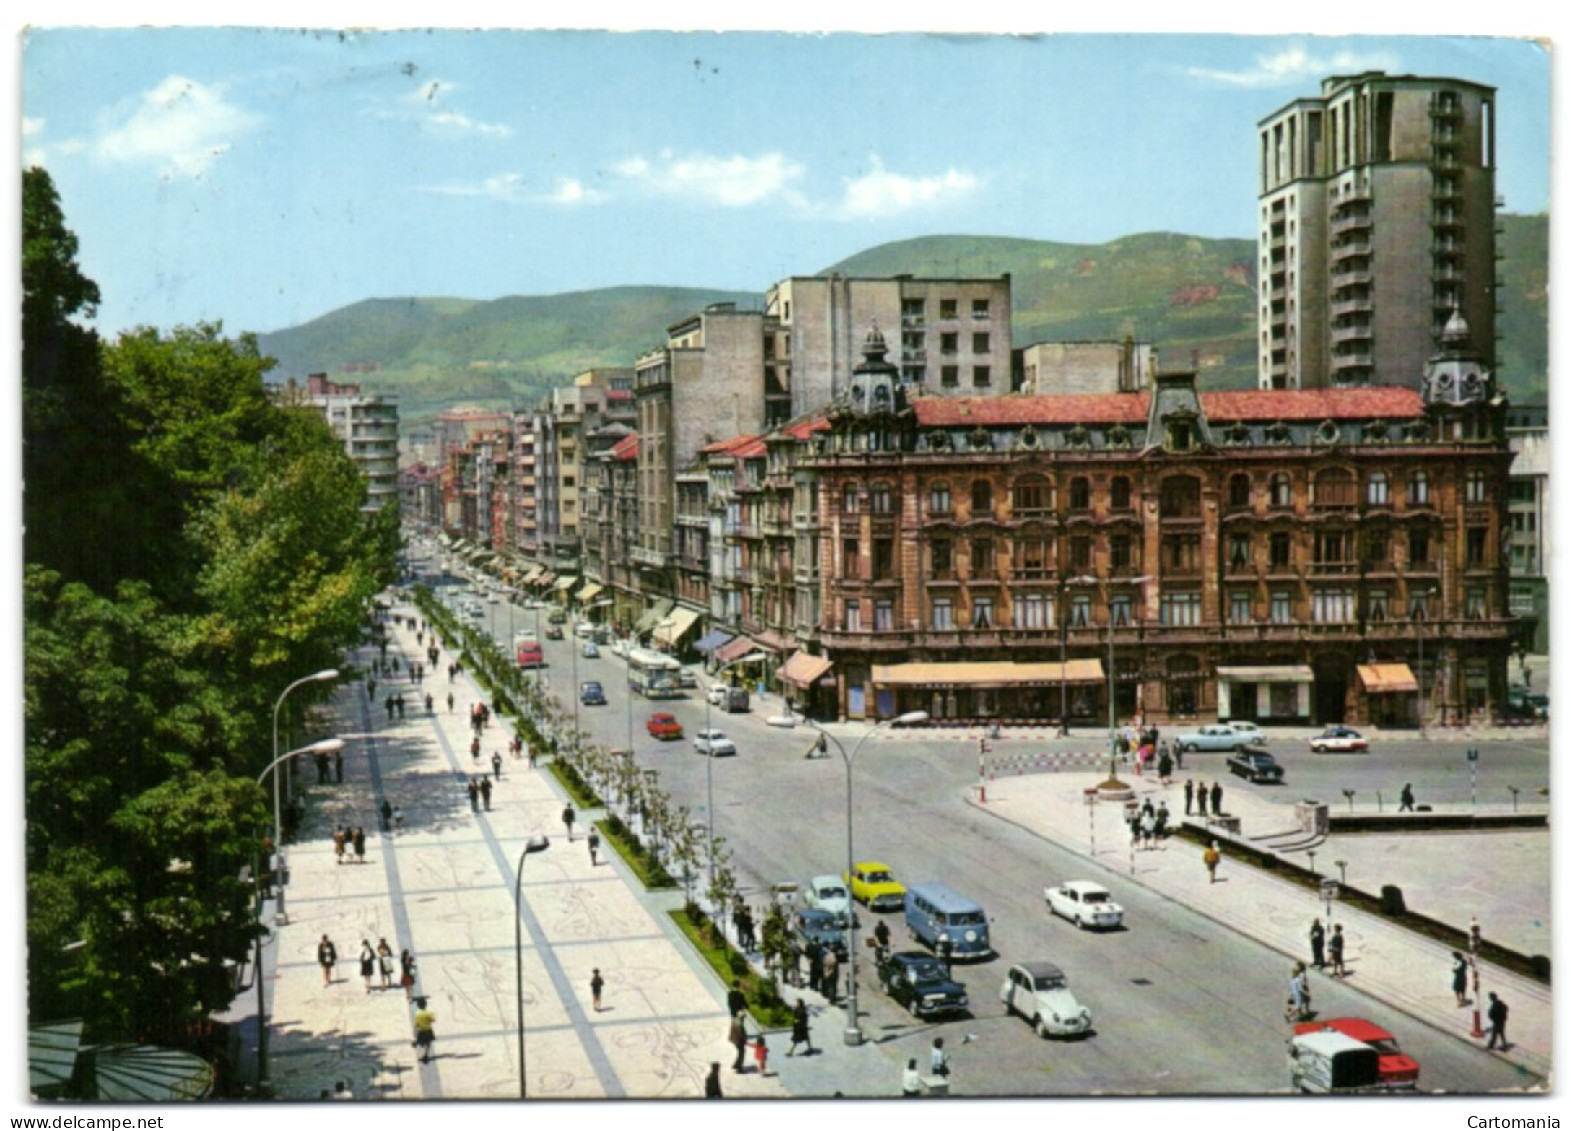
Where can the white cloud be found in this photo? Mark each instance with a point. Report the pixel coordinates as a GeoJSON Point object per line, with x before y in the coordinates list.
{"type": "Point", "coordinates": [570, 192]}
{"type": "Point", "coordinates": [180, 125]}
{"type": "Point", "coordinates": [882, 193]}
{"type": "Point", "coordinates": [425, 106]}
{"type": "Point", "coordinates": [1296, 65]}
{"type": "Point", "coordinates": [31, 126]}
{"type": "Point", "coordinates": [731, 182]}
{"type": "Point", "coordinates": [513, 188]}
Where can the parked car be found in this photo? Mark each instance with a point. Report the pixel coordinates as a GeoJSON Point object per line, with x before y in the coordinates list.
{"type": "Point", "coordinates": [591, 694]}
{"type": "Point", "coordinates": [553, 632]}
{"type": "Point", "coordinates": [1396, 1069]}
{"type": "Point", "coordinates": [1325, 1062]}
{"type": "Point", "coordinates": [713, 743]}
{"type": "Point", "coordinates": [584, 630]}
{"type": "Point", "coordinates": [664, 726]}
{"type": "Point", "coordinates": [918, 981]}
{"type": "Point", "coordinates": [686, 679]}
{"type": "Point", "coordinates": [1255, 766]}
{"type": "Point", "coordinates": [729, 698]}
{"type": "Point", "coordinates": [1250, 731]}
{"type": "Point", "coordinates": [813, 924]}
{"type": "Point", "coordinates": [1339, 740]}
{"type": "Point", "coordinates": [1039, 992]}
{"type": "Point", "coordinates": [874, 885]}
{"type": "Point", "coordinates": [1216, 737]}
{"type": "Point", "coordinates": [591, 650]}
{"type": "Point", "coordinates": [1524, 703]}
{"type": "Point", "coordinates": [1084, 904]}
{"type": "Point", "coordinates": [557, 616]}
{"type": "Point", "coordinates": [828, 893]}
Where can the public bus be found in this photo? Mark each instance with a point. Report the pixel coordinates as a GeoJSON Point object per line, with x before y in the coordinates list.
{"type": "Point", "coordinates": [529, 652]}
{"type": "Point", "coordinates": [653, 674]}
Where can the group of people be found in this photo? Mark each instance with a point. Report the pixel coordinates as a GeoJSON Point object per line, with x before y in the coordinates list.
{"type": "Point", "coordinates": [1196, 797]}
{"type": "Point", "coordinates": [479, 790]}
{"type": "Point", "coordinates": [349, 839]}
{"type": "Point", "coordinates": [1326, 951]}
{"type": "Point", "coordinates": [1148, 825]}
{"type": "Point", "coordinates": [373, 961]}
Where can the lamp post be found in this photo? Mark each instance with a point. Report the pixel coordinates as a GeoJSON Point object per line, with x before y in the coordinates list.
{"type": "Point", "coordinates": [326, 746]}
{"type": "Point", "coordinates": [536, 843]}
{"type": "Point", "coordinates": [280, 916]}
{"type": "Point", "coordinates": [709, 769]}
{"type": "Point", "coordinates": [1422, 615]}
{"type": "Point", "coordinates": [853, 1031]}
{"type": "Point", "coordinates": [1112, 697]}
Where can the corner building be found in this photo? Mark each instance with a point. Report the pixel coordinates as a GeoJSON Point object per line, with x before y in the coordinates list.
{"type": "Point", "coordinates": [1305, 556]}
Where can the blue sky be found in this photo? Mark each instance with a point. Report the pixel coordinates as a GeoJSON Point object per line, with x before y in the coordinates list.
{"type": "Point", "coordinates": [266, 177]}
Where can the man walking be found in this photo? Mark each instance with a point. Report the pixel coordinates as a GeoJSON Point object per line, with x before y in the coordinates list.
{"type": "Point", "coordinates": [1335, 952]}
{"type": "Point", "coordinates": [485, 792]}
{"type": "Point", "coordinates": [738, 1039]}
{"type": "Point", "coordinates": [568, 816]}
{"type": "Point", "coordinates": [1189, 796]}
{"type": "Point", "coordinates": [594, 847]}
{"type": "Point", "coordinates": [1216, 798]}
{"type": "Point", "coordinates": [1200, 798]}
{"type": "Point", "coordinates": [1498, 1010]}
{"type": "Point", "coordinates": [1212, 857]}
{"type": "Point", "coordinates": [829, 981]}
{"type": "Point", "coordinates": [596, 987]}
{"type": "Point", "coordinates": [326, 957]}
{"type": "Point", "coordinates": [1317, 945]}
{"type": "Point", "coordinates": [496, 765]}
{"type": "Point", "coordinates": [1407, 799]}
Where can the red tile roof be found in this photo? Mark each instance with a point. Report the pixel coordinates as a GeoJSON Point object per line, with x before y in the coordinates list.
{"type": "Point", "coordinates": [802, 429]}
{"type": "Point", "coordinates": [1133, 408]}
{"type": "Point", "coordinates": [728, 446]}
{"type": "Point", "coordinates": [625, 448]}
{"type": "Point", "coordinates": [1312, 404]}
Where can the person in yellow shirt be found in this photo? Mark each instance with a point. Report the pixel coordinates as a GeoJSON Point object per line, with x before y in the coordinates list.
{"type": "Point", "coordinates": [425, 1029]}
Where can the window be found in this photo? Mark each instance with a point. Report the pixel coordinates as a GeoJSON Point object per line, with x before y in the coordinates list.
{"type": "Point", "coordinates": [948, 308]}
{"type": "Point", "coordinates": [1334, 487]}
{"type": "Point", "coordinates": [1181, 553]}
{"type": "Point", "coordinates": [1240, 607]}
{"type": "Point", "coordinates": [1418, 547]}
{"type": "Point", "coordinates": [853, 617]}
{"type": "Point", "coordinates": [982, 564]}
{"type": "Point", "coordinates": [938, 501]}
{"type": "Point", "coordinates": [1378, 491]}
{"type": "Point", "coordinates": [883, 499]}
{"type": "Point", "coordinates": [949, 343]}
{"type": "Point", "coordinates": [1281, 550]}
{"type": "Point", "coordinates": [981, 496]}
{"type": "Point", "coordinates": [1030, 495]}
{"type": "Point", "coordinates": [1180, 497]}
{"type": "Point", "coordinates": [1333, 606]}
{"type": "Point", "coordinates": [1080, 493]}
{"type": "Point", "coordinates": [1281, 490]}
{"type": "Point", "coordinates": [1238, 492]}
{"type": "Point", "coordinates": [981, 343]}
{"type": "Point", "coordinates": [883, 558]}
{"type": "Point", "coordinates": [1477, 486]}
{"type": "Point", "coordinates": [980, 309]}
{"type": "Point", "coordinates": [1079, 611]}
{"type": "Point", "coordinates": [1121, 609]}
{"type": "Point", "coordinates": [1377, 548]}
{"type": "Point", "coordinates": [1477, 604]}
{"type": "Point", "coordinates": [1418, 489]}
{"type": "Point", "coordinates": [1119, 494]}
{"type": "Point", "coordinates": [1031, 558]}
{"type": "Point", "coordinates": [1032, 610]}
{"type": "Point", "coordinates": [1121, 551]}
{"type": "Point", "coordinates": [1418, 604]}
{"type": "Point", "coordinates": [850, 559]}
{"type": "Point", "coordinates": [949, 376]}
{"type": "Point", "coordinates": [1181, 609]}
{"type": "Point", "coordinates": [943, 614]}
{"type": "Point", "coordinates": [849, 500]}
{"type": "Point", "coordinates": [1080, 552]}
{"type": "Point", "coordinates": [982, 376]}
{"type": "Point", "coordinates": [912, 311]}
{"type": "Point", "coordinates": [1477, 545]}
{"type": "Point", "coordinates": [982, 612]}
{"type": "Point", "coordinates": [1378, 605]}
{"type": "Point", "coordinates": [1180, 435]}
{"type": "Point", "coordinates": [1281, 607]}
{"type": "Point", "coordinates": [1333, 548]}
{"type": "Point", "coordinates": [883, 615]}
{"type": "Point", "coordinates": [913, 341]}
{"type": "Point", "coordinates": [941, 558]}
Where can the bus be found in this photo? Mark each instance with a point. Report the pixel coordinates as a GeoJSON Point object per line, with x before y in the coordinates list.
{"type": "Point", "coordinates": [653, 674]}
{"type": "Point", "coordinates": [529, 652]}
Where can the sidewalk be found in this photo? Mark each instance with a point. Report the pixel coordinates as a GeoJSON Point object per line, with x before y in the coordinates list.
{"type": "Point", "coordinates": [1399, 967]}
{"type": "Point", "coordinates": [443, 887]}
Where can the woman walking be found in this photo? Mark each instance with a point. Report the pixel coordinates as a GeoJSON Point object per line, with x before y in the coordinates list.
{"type": "Point", "coordinates": [1459, 977]}
{"type": "Point", "coordinates": [800, 1035]}
{"type": "Point", "coordinates": [384, 961]}
{"type": "Point", "coordinates": [367, 963]}
{"type": "Point", "coordinates": [407, 979]}
{"type": "Point", "coordinates": [359, 845]}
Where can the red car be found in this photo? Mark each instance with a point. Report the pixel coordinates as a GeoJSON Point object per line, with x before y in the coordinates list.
{"type": "Point", "coordinates": [1397, 1070]}
{"type": "Point", "coordinates": [553, 632]}
{"type": "Point", "coordinates": [664, 726]}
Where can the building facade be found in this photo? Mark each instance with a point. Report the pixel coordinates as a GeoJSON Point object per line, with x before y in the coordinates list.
{"type": "Point", "coordinates": [367, 425]}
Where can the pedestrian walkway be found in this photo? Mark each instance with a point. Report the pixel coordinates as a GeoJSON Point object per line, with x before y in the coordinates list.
{"type": "Point", "coordinates": [1399, 967]}
{"type": "Point", "coordinates": [443, 887]}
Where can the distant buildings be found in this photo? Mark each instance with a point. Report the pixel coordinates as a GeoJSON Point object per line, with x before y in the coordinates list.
{"type": "Point", "coordinates": [367, 424]}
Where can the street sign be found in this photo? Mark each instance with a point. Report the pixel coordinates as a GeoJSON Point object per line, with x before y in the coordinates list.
{"type": "Point", "coordinates": [1328, 890]}
{"type": "Point", "coordinates": [1472, 753]}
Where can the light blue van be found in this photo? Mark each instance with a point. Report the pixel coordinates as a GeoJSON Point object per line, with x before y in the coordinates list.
{"type": "Point", "coordinates": [939, 916]}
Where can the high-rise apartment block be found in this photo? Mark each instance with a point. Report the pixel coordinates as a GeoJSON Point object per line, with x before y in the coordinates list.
{"type": "Point", "coordinates": [1377, 214]}
{"type": "Point", "coordinates": [367, 425]}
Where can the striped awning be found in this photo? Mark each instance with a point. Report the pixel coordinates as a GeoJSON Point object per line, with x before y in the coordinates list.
{"type": "Point", "coordinates": [712, 640]}
{"type": "Point", "coordinates": [656, 613]}
{"type": "Point", "coordinates": [987, 673]}
{"type": "Point", "coordinates": [1381, 679]}
{"type": "Point", "coordinates": [676, 626]}
{"type": "Point", "coordinates": [735, 650]}
{"type": "Point", "coordinates": [803, 670]}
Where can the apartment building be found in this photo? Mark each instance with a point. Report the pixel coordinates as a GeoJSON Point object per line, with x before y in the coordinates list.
{"type": "Point", "coordinates": [367, 425]}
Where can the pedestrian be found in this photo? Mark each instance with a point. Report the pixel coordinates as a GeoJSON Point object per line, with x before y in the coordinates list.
{"type": "Point", "coordinates": [735, 999]}
{"type": "Point", "coordinates": [800, 1034]}
{"type": "Point", "coordinates": [1213, 857]}
{"type": "Point", "coordinates": [881, 938]}
{"type": "Point", "coordinates": [534, 757]}
{"type": "Point", "coordinates": [387, 814]}
{"type": "Point", "coordinates": [474, 749]}
{"type": "Point", "coordinates": [398, 816]}
{"type": "Point", "coordinates": [568, 817]}
{"type": "Point", "coordinates": [485, 792]}
{"type": "Point", "coordinates": [359, 845]}
{"type": "Point", "coordinates": [1407, 799]}
{"type": "Point", "coordinates": [594, 847]}
{"type": "Point", "coordinates": [388, 703]}
{"type": "Point", "coordinates": [1148, 827]}
{"type": "Point", "coordinates": [1200, 798]}
{"type": "Point", "coordinates": [712, 1082]}
{"type": "Point", "coordinates": [1298, 994]}
{"type": "Point", "coordinates": [1459, 977]}
{"type": "Point", "coordinates": [829, 982]}
{"type": "Point", "coordinates": [1317, 944]}
{"type": "Point", "coordinates": [738, 1039]}
{"type": "Point", "coordinates": [1161, 825]}
{"type": "Point", "coordinates": [407, 978]}
{"type": "Point", "coordinates": [1216, 798]}
{"type": "Point", "coordinates": [474, 796]}
{"type": "Point", "coordinates": [1335, 952]}
{"type": "Point", "coordinates": [338, 766]}
{"type": "Point", "coordinates": [911, 1081]}
{"type": "Point", "coordinates": [815, 966]}
{"type": "Point", "coordinates": [596, 985]}
{"type": "Point", "coordinates": [338, 844]}
{"type": "Point", "coordinates": [384, 962]}
{"type": "Point", "coordinates": [430, 704]}
{"type": "Point", "coordinates": [1498, 1011]}
{"type": "Point", "coordinates": [761, 1054]}
{"type": "Point", "coordinates": [425, 1028]}
{"type": "Point", "coordinates": [326, 958]}
{"type": "Point", "coordinates": [1164, 767]}
{"type": "Point", "coordinates": [321, 769]}
{"type": "Point", "coordinates": [938, 1059]}
{"type": "Point", "coordinates": [370, 689]}
{"type": "Point", "coordinates": [449, 702]}
{"type": "Point", "coordinates": [367, 963]}
{"type": "Point", "coordinates": [496, 765]}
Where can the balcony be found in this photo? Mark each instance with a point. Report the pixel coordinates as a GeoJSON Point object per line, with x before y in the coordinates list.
{"type": "Point", "coordinates": [1347, 307]}
{"type": "Point", "coordinates": [1351, 276]}
{"type": "Point", "coordinates": [1352, 222]}
{"type": "Point", "coordinates": [1356, 360]}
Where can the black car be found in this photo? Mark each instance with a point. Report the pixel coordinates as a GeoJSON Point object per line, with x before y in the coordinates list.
{"type": "Point", "coordinates": [591, 694]}
{"type": "Point", "coordinates": [809, 924]}
{"type": "Point", "coordinates": [1255, 765]}
{"type": "Point", "coordinates": [916, 980]}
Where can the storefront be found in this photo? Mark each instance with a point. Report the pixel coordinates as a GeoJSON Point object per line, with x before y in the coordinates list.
{"type": "Point", "coordinates": [1278, 693]}
{"type": "Point", "coordinates": [1391, 692]}
{"type": "Point", "coordinates": [999, 690]}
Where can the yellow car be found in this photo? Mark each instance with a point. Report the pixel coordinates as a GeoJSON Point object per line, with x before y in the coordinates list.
{"type": "Point", "coordinates": [876, 886]}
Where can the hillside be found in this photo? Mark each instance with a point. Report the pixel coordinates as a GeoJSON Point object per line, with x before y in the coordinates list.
{"type": "Point", "coordinates": [1190, 296]}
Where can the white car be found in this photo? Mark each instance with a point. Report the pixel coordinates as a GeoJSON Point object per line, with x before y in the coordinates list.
{"type": "Point", "coordinates": [829, 893]}
{"type": "Point", "coordinates": [1253, 733]}
{"type": "Point", "coordinates": [1039, 992]}
{"type": "Point", "coordinates": [713, 743]}
{"type": "Point", "coordinates": [1339, 740]}
{"type": "Point", "coordinates": [584, 630]}
{"type": "Point", "coordinates": [1084, 904]}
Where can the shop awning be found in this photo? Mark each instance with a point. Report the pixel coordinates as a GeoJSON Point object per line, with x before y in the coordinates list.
{"type": "Point", "coordinates": [735, 650]}
{"type": "Point", "coordinates": [803, 669]}
{"type": "Point", "coordinates": [988, 673]}
{"type": "Point", "coordinates": [712, 640]}
{"type": "Point", "coordinates": [1381, 679]}
{"type": "Point", "coordinates": [590, 591]}
{"type": "Point", "coordinates": [565, 583]}
{"type": "Point", "coordinates": [671, 630]}
{"type": "Point", "coordinates": [773, 642]}
{"type": "Point", "coordinates": [532, 573]}
{"type": "Point", "coordinates": [1268, 673]}
{"type": "Point", "coordinates": [545, 578]}
{"type": "Point", "coordinates": [656, 613]}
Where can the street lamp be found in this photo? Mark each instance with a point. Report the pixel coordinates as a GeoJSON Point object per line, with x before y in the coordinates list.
{"type": "Point", "coordinates": [853, 1032]}
{"type": "Point", "coordinates": [536, 843]}
{"type": "Point", "coordinates": [280, 916]}
{"type": "Point", "coordinates": [326, 746]}
{"type": "Point", "coordinates": [709, 769]}
{"type": "Point", "coordinates": [1112, 698]}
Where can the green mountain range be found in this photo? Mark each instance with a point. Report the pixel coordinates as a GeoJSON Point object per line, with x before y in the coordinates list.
{"type": "Point", "coordinates": [1193, 298]}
